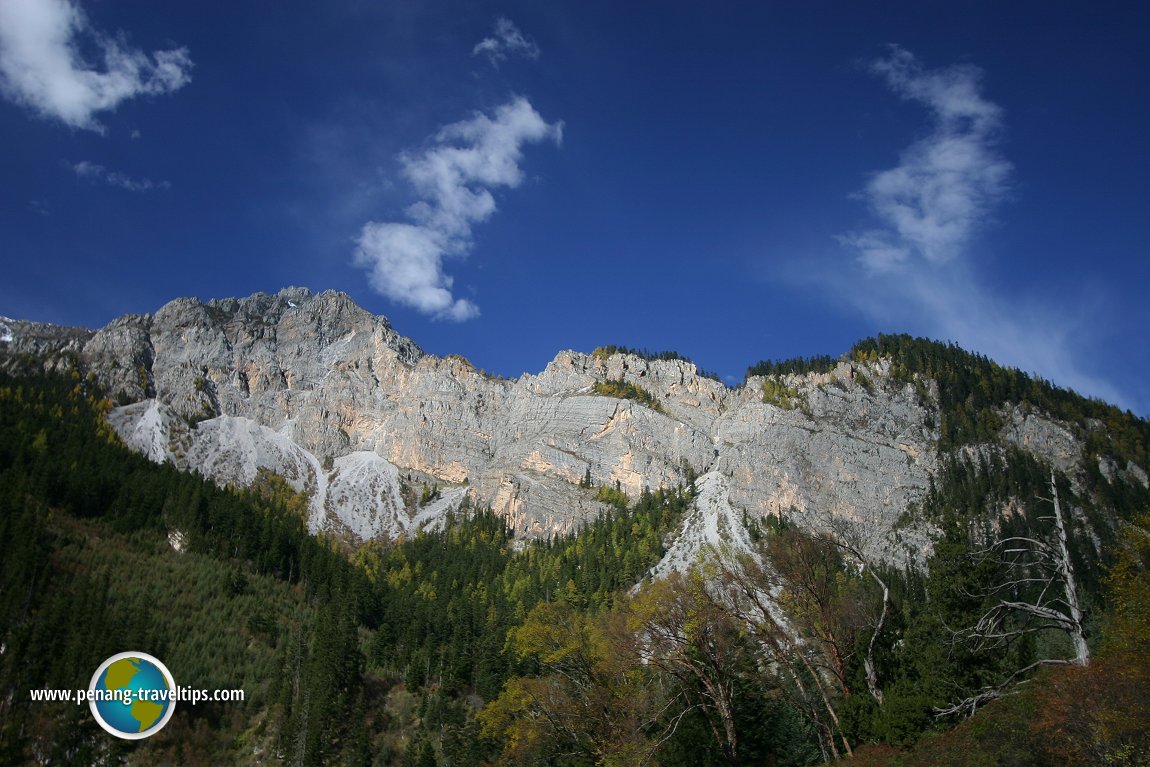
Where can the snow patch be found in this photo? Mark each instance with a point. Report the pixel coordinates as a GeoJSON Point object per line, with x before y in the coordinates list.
{"type": "Point", "coordinates": [6, 333]}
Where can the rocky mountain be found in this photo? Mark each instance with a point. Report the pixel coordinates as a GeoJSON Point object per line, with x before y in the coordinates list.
{"type": "Point", "coordinates": [385, 440]}
{"type": "Point", "coordinates": [962, 500]}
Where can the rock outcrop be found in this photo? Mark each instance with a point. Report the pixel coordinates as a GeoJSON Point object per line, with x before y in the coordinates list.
{"type": "Point", "coordinates": [353, 415]}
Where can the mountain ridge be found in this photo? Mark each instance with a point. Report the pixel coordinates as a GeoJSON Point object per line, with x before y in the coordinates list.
{"type": "Point", "coordinates": [296, 382]}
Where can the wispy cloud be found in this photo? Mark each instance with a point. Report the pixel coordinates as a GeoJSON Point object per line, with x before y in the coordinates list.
{"type": "Point", "coordinates": [454, 177]}
{"type": "Point", "coordinates": [95, 172]}
{"type": "Point", "coordinates": [41, 66]}
{"type": "Point", "coordinates": [506, 41]}
{"type": "Point", "coordinates": [946, 183]}
{"type": "Point", "coordinates": [914, 268]}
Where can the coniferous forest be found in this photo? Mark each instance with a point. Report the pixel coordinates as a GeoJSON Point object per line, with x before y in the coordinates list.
{"type": "Point", "coordinates": [467, 647]}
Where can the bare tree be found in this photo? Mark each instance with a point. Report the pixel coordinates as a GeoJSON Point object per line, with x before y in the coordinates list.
{"type": "Point", "coordinates": [858, 542]}
{"type": "Point", "coordinates": [754, 589]}
{"type": "Point", "coordinates": [1043, 570]}
{"type": "Point", "coordinates": [849, 546]}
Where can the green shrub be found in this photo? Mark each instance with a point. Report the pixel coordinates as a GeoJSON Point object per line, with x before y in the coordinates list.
{"type": "Point", "coordinates": [627, 390]}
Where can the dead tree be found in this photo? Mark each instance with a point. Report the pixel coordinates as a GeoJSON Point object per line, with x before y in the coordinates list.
{"type": "Point", "coordinates": [1043, 568]}
{"type": "Point", "coordinates": [865, 566]}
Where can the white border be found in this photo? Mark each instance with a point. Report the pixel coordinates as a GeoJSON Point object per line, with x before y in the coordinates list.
{"type": "Point", "coordinates": [155, 727]}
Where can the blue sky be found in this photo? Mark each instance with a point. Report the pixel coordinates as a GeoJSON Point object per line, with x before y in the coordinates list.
{"type": "Point", "coordinates": [506, 180]}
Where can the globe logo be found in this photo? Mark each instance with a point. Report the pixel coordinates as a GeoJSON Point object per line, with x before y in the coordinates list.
{"type": "Point", "coordinates": [132, 695]}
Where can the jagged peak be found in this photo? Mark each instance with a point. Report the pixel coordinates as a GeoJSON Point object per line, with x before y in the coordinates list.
{"type": "Point", "coordinates": [294, 293]}
{"type": "Point", "coordinates": [334, 312]}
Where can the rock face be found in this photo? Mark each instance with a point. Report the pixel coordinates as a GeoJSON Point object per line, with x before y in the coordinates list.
{"type": "Point", "coordinates": [57, 346]}
{"type": "Point", "coordinates": [353, 415]}
{"type": "Point", "coordinates": [711, 527]}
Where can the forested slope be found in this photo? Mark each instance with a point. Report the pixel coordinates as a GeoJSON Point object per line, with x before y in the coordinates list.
{"type": "Point", "coordinates": [468, 647]}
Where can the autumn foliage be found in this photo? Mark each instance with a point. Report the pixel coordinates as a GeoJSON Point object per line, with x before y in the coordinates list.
{"type": "Point", "coordinates": [1068, 715]}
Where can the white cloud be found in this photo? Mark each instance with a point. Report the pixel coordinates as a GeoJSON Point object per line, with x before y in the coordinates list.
{"type": "Point", "coordinates": [934, 201]}
{"type": "Point", "coordinates": [41, 66]}
{"type": "Point", "coordinates": [914, 269]}
{"type": "Point", "coordinates": [406, 266]}
{"type": "Point", "coordinates": [454, 178]}
{"type": "Point", "coordinates": [505, 41]}
{"type": "Point", "coordinates": [96, 172]}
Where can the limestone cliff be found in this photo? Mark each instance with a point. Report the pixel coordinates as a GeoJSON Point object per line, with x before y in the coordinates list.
{"type": "Point", "coordinates": [356, 417]}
